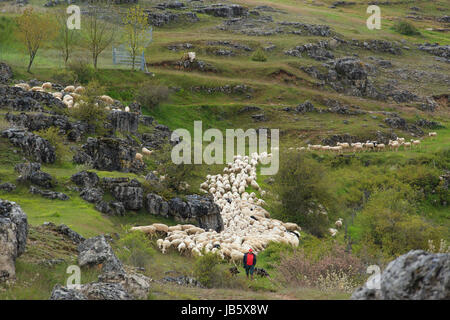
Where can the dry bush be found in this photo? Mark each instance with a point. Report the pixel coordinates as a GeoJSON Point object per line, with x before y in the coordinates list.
{"type": "Point", "coordinates": [335, 270]}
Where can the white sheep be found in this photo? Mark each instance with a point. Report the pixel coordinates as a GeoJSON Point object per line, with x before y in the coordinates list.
{"type": "Point", "coordinates": [415, 142]}
{"type": "Point", "coordinates": [139, 156]}
{"type": "Point", "coordinates": [146, 152]}
{"type": "Point", "coordinates": [107, 99]}
{"type": "Point", "coordinates": [37, 89]}
{"type": "Point", "coordinates": [79, 90]}
{"type": "Point", "coordinates": [47, 86]}
{"type": "Point", "coordinates": [24, 86]}
{"type": "Point", "coordinates": [69, 89]}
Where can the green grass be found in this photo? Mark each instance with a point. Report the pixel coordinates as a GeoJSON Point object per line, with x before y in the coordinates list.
{"type": "Point", "coordinates": [271, 93]}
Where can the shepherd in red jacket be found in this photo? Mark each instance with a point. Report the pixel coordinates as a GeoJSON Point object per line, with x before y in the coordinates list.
{"type": "Point", "coordinates": [249, 262]}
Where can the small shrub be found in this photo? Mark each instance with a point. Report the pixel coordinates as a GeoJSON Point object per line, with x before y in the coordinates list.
{"type": "Point", "coordinates": [82, 69]}
{"type": "Point", "coordinates": [175, 175]}
{"type": "Point", "coordinates": [150, 95]}
{"type": "Point", "coordinates": [64, 77]}
{"type": "Point", "coordinates": [405, 28]}
{"type": "Point", "coordinates": [273, 253]}
{"type": "Point", "coordinates": [134, 248]}
{"type": "Point", "coordinates": [389, 224]}
{"type": "Point", "coordinates": [206, 269]}
{"type": "Point", "coordinates": [259, 56]}
{"type": "Point", "coordinates": [336, 270]}
{"type": "Point", "coordinates": [305, 193]}
{"type": "Point", "coordinates": [210, 270]}
{"type": "Point", "coordinates": [443, 246]}
{"type": "Point", "coordinates": [55, 138]}
{"type": "Point", "coordinates": [4, 124]}
{"type": "Point", "coordinates": [90, 111]}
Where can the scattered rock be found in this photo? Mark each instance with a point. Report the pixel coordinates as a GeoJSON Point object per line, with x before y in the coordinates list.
{"type": "Point", "coordinates": [92, 195]}
{"type": "Point", "coordinates": [5, 73]}
{"type": "Point", "coordinates": [32, 172]}
{"type": "Point", "coordinates": [259, 117]}
{"type": "Point", "coordinates": [417, 275]}
{"type": "Point", "coordinates": [72, 235]}
{"type": "Point", "coordinates": [62, 293]}
{"type": "Point", "coordinates": [156, 205]}
{"type": "Point", "coordinates": [223, 10]}
{"type": "Point", "coordinates": [201, 209]}
{"type": "Point", "coordinates": [111, 208]}
{"type": "Point", "coordinates": [8, 187]}
{"type": "Point", "coordinates": [49, 194]}
{"type": "Point", "coordinates": [13, 237]}
{"type": "Point", "coordinates": [35, 147]}
{"type": "Point", "coordinates": [124, 121]}
{"type": "Point", "coordinates": [136, 285]}
{"type": "Point", "coordinates": [304, 107]}
{"type": "Point", "coordinates": [110, 154]}
{"type": "Point", "coordinates": [85, 179]}
{"type": "Point", "coordinates": [160, 19]}
{"type": "Point", "coordinates": [17, 99]}
{"type": "Point", "coordinates": [97, 251]}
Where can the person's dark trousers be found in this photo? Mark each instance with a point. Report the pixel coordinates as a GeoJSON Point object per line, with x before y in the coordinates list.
{"type": "Point", "coordinates": [249, 269]}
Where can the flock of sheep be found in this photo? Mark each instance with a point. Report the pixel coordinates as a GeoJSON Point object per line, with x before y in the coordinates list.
{"type": "Point", "coordinates": [246, 224]}
{"type": "Point", "coordinates": [393, 145]}
{"type": "Point", "coordinates": [71, 96]}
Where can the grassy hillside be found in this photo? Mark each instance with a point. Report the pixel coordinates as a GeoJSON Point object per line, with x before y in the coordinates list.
{"type": "Point", "coordinates": [390, 201]}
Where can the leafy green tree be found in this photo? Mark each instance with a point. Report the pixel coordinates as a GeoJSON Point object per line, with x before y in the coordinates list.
{"type": "Point", "coordinates": [136, 29]}
{"type": "Point", "coordinates": [34, 30]}
{"type": "Point", "coordinates": [304, 193]}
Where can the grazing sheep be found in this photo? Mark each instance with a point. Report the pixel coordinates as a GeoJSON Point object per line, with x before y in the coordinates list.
{"type": "Point", "coordinates": [69, 89]}
{"type": "Point", "coordinates": [37, 89]}
{"type": "Point", "coordinates": [332, 231]}
{"type": "Point", "coordinates": [161, 227]}
{"type": "Point", "coordinates": [344, 145]}
{"type": "Point", "coordinates": [79, 90]}
{"type": "Point", "coordinates": [369, 145]}
{"type": "Point", "coordinates": [415, 142]}
{"type": "Point", "coordinates": [380, 146]}
{"type": "Point", "coordinates": [394, 145]}
{"type": "Point", "coordinates": [57, 95]}
{"type": "Point", "coordinates": [432, 134]}
{"type": "Point", "coordinates": [191, 56]}
{"type": "Point", "coordinates": [47, 86]}
{"type": "Point", "coordinates": [357, 147]}
{"type": "Point", "coordinates": [139, 156]}
{"type": "Point", "coordinates": [107, 99]}
{"type": "Point", "coordinates": [24, 86]}
{"type": "Point", "coordinates": [145, 229]}
{"type": "Point", "coordinates": [338, 223]}
{"type": "Point", "coordinates": [146, 152]}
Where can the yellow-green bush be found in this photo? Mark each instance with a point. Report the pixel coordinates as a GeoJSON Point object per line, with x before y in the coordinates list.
{"type": "Point", "coordinates": [135, 249]}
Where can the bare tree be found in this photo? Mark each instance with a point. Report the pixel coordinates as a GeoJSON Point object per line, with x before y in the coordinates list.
{"type": "Point", "coordinates": [99, 32]}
